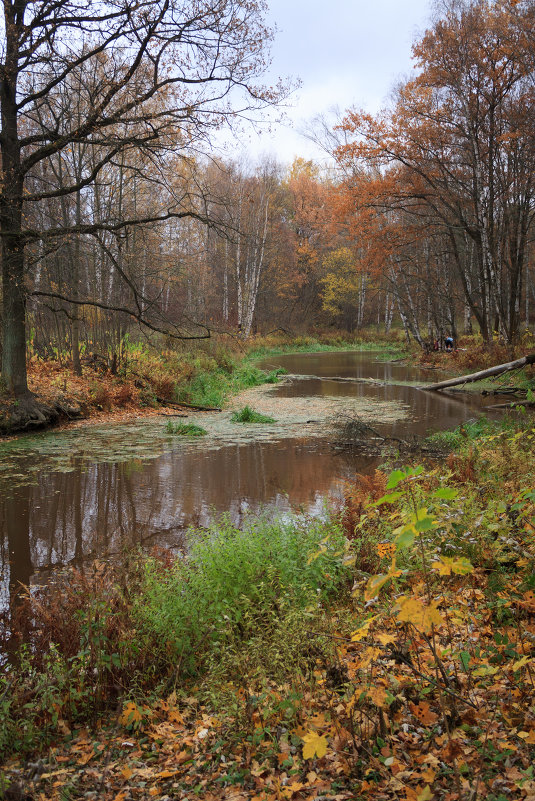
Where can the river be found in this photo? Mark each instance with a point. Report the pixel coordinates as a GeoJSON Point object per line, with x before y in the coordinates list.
{"type": "Point", "coordinates": [69, 497]}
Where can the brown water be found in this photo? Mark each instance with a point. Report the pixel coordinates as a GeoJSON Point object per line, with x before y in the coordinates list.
{"type": "Point", "coordinates": [66, 498]}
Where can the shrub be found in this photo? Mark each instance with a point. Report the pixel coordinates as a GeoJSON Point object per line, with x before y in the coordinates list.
{"type": "Point", "coordinates": [233, 582]}
{"type": "Point", "coordinates": [101, 396]}
{"type": "Point", "coordinates": [125, 394]}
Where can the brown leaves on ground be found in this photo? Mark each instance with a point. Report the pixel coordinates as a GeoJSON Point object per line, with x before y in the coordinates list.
{"type": "Point", "coordinates": [396, 724]}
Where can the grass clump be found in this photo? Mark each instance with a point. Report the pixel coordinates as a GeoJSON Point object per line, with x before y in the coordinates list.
{"type": "Point", "coordinates": [185, 429]}
{"type": "Point", "coordinates": [236, 588]}
{"type": "Point", "coordinates": [211, 387]}
{"type": "Point", "coordinates": [248, 415]}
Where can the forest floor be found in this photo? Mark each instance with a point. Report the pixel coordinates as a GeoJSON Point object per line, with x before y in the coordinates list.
{"type": "Point", "coordinates": [384, 654]}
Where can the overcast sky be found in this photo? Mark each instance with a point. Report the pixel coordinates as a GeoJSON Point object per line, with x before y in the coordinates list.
{"type": "Point", "coordinates": [345, 52]}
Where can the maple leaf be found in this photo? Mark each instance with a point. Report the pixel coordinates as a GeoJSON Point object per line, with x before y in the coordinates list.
{"type": "Point", "coordinates": [130, 714]}
{"type": "Point", "coordinates": [385, 639]}
{"type": "Point", "coordinates": [377, 696]}
{"type": "Point", "coordinates": [362, 631]}
{"type": "Point", "coordinates": [446, 565]}
{"type": "Point", "coordinates": [424, 713]}
{"type": "Point", "coordinates": [315, 745]}
{"type": "Point", "coordinates": [425, 795]}
{"type": "Point", "coordinates": [422, 616]}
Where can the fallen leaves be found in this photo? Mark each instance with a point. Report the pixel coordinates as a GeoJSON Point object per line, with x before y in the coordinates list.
{"type": "Point", "coordinates": [315, 745]}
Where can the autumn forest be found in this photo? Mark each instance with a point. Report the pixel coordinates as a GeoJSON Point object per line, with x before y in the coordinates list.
{"type": "Point", "coordinates": [115, 215]}
{"type": "Point", "coordinates": [267, 517]}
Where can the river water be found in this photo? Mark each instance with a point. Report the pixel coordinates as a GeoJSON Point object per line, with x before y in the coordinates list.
{"type": "Point", "coordinates": [66, 498]}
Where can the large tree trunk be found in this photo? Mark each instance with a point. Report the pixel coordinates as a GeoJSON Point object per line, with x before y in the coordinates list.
{"type": "Point", "coordinates": [14, 297]}
{"type": "Point", "coordinates": [14, 315]}
{"type": "Point", "coordinates": [468, 379]}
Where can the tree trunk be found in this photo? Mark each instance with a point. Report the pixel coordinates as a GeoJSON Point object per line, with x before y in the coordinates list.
{"type": "Point", "coordinates": [468, 379]}
{"type": "Point", "coordinates": [14, 295]}
{"type": "Point", "coordinates": [14, 312]}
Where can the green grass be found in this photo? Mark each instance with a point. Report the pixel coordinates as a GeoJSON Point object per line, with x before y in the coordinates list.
{"type": "Point", "coordinates": [185, 429]}
{"type": "Point", "coordinates": [474, 430]}
{"type": "Point", "coordinates": [235, 585]}
{"type": "Point", "coordinates": [311, 345]}
{"type": "Point", "coordinates": [248, 415]}
{"type": "Point", "coordinates": [212, 387]}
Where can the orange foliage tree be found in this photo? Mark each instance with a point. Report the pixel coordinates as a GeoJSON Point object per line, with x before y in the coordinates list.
{"type": "Point", "coordinates": [453, 165]}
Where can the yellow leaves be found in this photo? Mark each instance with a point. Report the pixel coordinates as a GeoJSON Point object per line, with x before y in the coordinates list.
{"type": "Point", "coordinates": [485, 670]}
{"type": "Point", "coordinates": [385, 639]}
{"type": "Point", "coordinates": [362, 632]}
{"type": "Point", "coordinates": [369, 656]}
{"type": "Point", "coordinates": [131, 715]}
{"type": "Point", "coordinates": [315, 745]}
{"type": "Point", "coordinates": [528, 737]}
{"type": "Point", "coordinates": [377, 696]}
{"type": "Point", "coordinates": [425, 795]}
{"type": "Point", "coordinates": [291, 789]}
{"type": "Point", "coordinates": [446, 565]}
{"type": "Point", "coordinates": [385, 549]}
{"type": "Point", "coordinates": [375, 583]}
{"type": "Point", "coordinates": [422, 616]}
{"type": "Point", "coordinates": [520, 663]}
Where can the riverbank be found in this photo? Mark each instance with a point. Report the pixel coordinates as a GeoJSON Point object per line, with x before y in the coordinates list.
{"type": "Point", "coordinates": [147, 381]}
{"type": "Point", "coordinates": [384, 653]}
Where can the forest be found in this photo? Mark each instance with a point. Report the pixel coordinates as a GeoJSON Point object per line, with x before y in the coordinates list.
{"type": "Point", "coordinates": [256, 543]}
{"type": "Point", "coordinates": [117, 220]}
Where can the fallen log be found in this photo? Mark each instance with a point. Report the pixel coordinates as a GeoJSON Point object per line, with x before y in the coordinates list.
{"type": "Point", "coordinates": [194, 406]}
{"type": "Point", "coordinates": [468, 379]}
{"type": "Point", "coordinates": [513, 405]}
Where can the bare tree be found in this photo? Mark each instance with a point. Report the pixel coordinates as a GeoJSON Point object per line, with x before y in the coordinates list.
{"type": "Point", "coordinates": [160, 75]}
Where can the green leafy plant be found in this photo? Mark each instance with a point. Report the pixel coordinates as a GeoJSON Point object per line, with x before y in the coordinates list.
{"type": "Point", "coordinates": [235, 583]}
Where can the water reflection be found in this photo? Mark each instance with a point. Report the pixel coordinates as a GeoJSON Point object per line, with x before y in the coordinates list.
{"type": "Point", "coordinates": [107, 508]}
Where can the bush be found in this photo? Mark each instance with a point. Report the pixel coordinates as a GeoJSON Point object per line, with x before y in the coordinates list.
{"type": "Point", "coordinates": [233, 582]}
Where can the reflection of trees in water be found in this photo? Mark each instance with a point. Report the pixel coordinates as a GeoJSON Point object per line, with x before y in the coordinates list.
{"type": "Point", "coordinates": [109, 508]}
{"type": "Point", "coordinates": [16, 566]}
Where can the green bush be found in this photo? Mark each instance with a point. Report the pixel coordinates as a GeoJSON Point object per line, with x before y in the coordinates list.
{"type": "Point", "coordinates": [233, 582]}
{"type": "Point", "coordinates": [474, 430]}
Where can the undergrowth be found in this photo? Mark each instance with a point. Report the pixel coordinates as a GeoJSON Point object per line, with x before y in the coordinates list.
{"type": "Point", "coordinates": [479, 429]}
{"type": "Point", "coordinates": [87, 639]}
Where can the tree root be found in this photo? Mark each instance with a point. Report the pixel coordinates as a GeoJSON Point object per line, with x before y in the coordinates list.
{"type": "Point", "coordinates": [28, 413]}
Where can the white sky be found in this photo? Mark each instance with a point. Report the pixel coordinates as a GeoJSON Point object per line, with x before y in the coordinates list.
{"type": "Point", "coordinates": [345, 52]}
